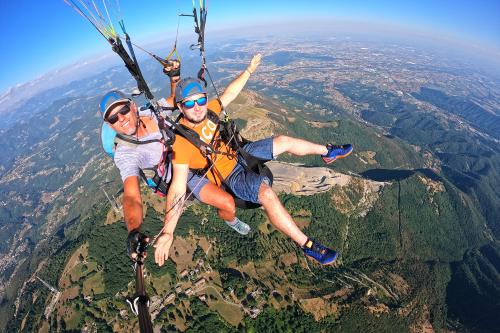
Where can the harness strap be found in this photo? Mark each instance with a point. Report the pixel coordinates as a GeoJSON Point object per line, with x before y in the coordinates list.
{"type": "Point", "coordinates": [252, 163]}
{"type": "Point", "coordinates": [120, 138]}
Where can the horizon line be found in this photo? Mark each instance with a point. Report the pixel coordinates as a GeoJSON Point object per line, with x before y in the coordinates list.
{"type": "Point", "coordinates": [355, 26]}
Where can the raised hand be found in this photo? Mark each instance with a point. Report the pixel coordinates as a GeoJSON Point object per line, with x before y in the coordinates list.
{"type": "Point", "coordinates": [162, 248]}
{"type": "Point", "coordinates": [173, 68]}
{"type": "Point", "coordinates": [254, 63]}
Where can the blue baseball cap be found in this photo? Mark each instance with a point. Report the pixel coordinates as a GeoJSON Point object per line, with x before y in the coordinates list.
{"type": "Point", "coordinates": [188, 87]}
{"type": "Point", "coordinates": [111, 99]}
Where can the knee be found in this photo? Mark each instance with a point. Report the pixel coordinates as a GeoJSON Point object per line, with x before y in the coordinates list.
{"type": "Point", "coordinates": [228, 205]}
{"type": "Point", "coordinates": [266, 194]}
{"type": "Point", "coordinates": [281, 140]}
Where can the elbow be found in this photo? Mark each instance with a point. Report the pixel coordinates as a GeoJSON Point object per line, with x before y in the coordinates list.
{"type": "Point", "coordinates": [131, 201]}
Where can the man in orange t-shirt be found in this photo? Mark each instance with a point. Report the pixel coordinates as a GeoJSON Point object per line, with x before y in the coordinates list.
{"type": "Point", "coordinates": [227, 166]}
{"type": "Point", "coordinates": [185, 154]}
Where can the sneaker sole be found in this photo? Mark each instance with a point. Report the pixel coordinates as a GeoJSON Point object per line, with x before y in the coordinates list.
{"type": "Point", "coordinates": [329, 160]}
{"type": "Point", "coordinates": [332, 263]}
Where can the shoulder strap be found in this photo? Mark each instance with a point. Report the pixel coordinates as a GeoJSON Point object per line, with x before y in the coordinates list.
{"type": "Point", "coordinates": [132, 140]}
{"type": "Point", "coordinates": [213, 117]}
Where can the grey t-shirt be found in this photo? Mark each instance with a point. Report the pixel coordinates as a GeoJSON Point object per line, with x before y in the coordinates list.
{"type": "Point", "coordinates": [130, 159]}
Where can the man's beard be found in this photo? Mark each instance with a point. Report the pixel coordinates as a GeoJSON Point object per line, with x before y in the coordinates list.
{"type": "Point", "coordinates": [196, 122]}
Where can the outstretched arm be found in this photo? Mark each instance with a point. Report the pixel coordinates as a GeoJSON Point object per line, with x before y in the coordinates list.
{"type": "Point", "coordinates": [132, 213]}
{"type": "Point", "coordinates": [235, 87]}
{"type": "Point", "coordinates": [132, 203]}
{"type": "Point", "coordinates": [175, 203]}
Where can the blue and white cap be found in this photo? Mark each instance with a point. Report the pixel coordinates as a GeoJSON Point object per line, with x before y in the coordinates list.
{"type": "Point", "coordinates": [188, 87]}
{"type": "Point", "coordinates": [111, 99]}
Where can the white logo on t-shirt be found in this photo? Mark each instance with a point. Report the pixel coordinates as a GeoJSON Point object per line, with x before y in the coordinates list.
{"type": "Point", "coordinates": [207, 132]}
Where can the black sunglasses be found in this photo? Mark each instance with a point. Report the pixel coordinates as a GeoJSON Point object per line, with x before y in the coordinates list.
{"type": "Point", "coordinates": [123, 111]}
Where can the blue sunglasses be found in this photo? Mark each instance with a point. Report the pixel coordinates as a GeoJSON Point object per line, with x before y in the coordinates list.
{"type": "Point", "coordinates": [190, 104]}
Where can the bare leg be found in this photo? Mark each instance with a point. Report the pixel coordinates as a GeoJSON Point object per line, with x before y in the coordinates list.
{"type": "Point", "coordinates": [299, 147]}
{"type": "Point", "coordinates": [214, 196]}
{"type": "Point", "coordinates": [278, 215]}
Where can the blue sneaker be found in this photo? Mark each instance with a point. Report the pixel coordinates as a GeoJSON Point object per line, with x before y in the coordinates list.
{"type": "Point", "coordinates": [335, 151]}
{"type": "Point", "coordinates": [318, 252]}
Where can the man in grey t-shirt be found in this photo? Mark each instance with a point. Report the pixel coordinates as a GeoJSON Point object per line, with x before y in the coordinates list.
{"type": "Point", "coordinates": [131, 159]}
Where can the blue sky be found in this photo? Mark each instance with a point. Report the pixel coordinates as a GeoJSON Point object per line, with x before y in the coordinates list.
{"type": "Point", "coordinates": [39, 36]}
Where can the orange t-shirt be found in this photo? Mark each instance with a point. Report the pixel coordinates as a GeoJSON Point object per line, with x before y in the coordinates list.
{"type": "Point", "coordinates": [187, 153]}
